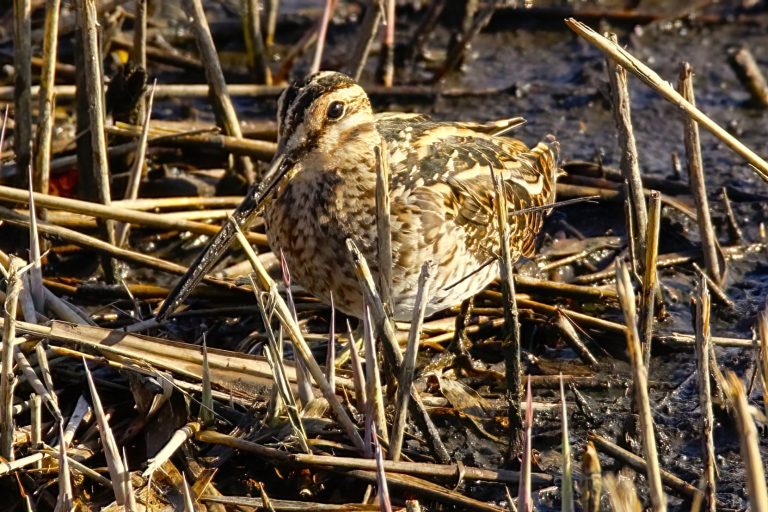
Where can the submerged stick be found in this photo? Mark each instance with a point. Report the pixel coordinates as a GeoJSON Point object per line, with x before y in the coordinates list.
{"type": "Point", "coordinates": [654, 81]}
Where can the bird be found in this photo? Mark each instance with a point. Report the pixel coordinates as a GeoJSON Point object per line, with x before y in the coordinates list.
{"type": "Point", "coordinates": [320, 192]}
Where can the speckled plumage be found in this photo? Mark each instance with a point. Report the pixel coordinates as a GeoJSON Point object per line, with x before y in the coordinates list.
{"type": "Point", "coordinates": [320, 190]}
{"type": "Point", "coordinates": [441, 198]}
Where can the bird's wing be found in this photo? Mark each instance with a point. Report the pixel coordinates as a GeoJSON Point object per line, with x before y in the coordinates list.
{"type": "Point", "coordinates": [457, 162]}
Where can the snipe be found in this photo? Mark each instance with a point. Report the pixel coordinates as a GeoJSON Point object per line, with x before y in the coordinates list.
{"type": "Point", "coordinates": [320, 191]}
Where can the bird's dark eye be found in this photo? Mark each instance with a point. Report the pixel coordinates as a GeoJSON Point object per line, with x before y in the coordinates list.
{"type": "Point", "coordinates": [335, 110]}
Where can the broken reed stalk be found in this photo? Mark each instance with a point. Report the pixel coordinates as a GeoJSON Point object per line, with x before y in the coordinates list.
{"type": "Point", "coordinates": [137, 171]}
{"type": "Point", "coordinates": [650, 276]}
{"type": "Point", "coordinates": [375, 414]}
{"type": "Point", "coordinates": [367, 33]}
{"type": "Point", "coordinates": [383, 227]}
{"type": "Point", "coordinates": [45, 120]}
{"type": "Point", "coordinates": [321, 35]}
{"type": "Point", "coordinates": [748, 72]}
{"type": "Point", "coordinates": [696, 179]}
{"type": "Point", "coordinates": [226, 117]}
{"type": "Point", "coordinates": [566, 493]}
{"type": "Point", "coordinates": [65, 499]}
{"type": "Point", "coordinates": [179, 437]}
{"type": "Point", "coordinates": [7, 376]}
{"type": "Point", "coordinates": [762, 329]}
{"type": "Point", "coordinates": [387, 55]}
{"type": "Point", "coordinates": [750, 444]}
{"type": "Point", "coordinates": [93, 76]}
{"type": "Point", "coordinates": [737, 236]}
{"type": "Point", "coordinates": [407, 370]}
{"type": "Point", "coordinates": [630, 167]}
{"type": "Point", "coordinates": [139, 51]}
{"type": "Point", "coordinates": [640, 386]}
{"type": "Point", "coordinates": [392, 355]}
{"type": "Point", "coordinates": [270, 15]}
{"type": "Point", "coordinates": [592, 480]}
{"type": "Point", "coordinates": [675, 483]}
{"type": "Point", "coordinates": [266, 284]}
{"type": "Point", "coordinates": [655, 82]}
{"type": "Point", "coordinates": [22, 98]}
{"type": "Point", "coordinates": [258, 59]}
{"type": "Point", "coordinates": [511, 342]}
{"type": "Point", "coordinates": [36, 424]}
{"type": "Point", "coordinates": [705, 393]}
{"type": "Point", "coordinates": [108, 443]}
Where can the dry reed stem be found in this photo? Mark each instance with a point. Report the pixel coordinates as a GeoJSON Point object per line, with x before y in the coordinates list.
{"type": "Point", "coordinates": [650, 277]}
{"type": "Point", "coordinates": [654, 81]}
{"type": "Point", "coordinates": [139, 54]}
{"type": "Point", "coordinates": [750, 443]}
{"type": "Point", "coordinates": [709, 244]}
{"type": "Point", "coordinates": [108, 443]}
{"type": "Point", "coordinates": [116, 213]}
{"type": "Point", "coordinates": [22, 104]}
{"type": "Point", "coordinates": [640, 387]}
{"type": "Point", "coordinates": [105, 248]}
{"type": "Point", "coordinates": [283, 395]}
{"type": "Point", "coordinates": [573, 339]}
{"type": "Point", "coordinates": [715, 288]}
{"type": "Point", "coordinates": [762, 329]}
{"type": "Point", "coordinates": [375, 415]}
{"type": "Point", "coordinates": [749, 74]}
{"type": "Point", "coordinates": [36, 424]}
{"type": "Point", "coordinates": [524, 499]}
{"type": "Point", "coordinates": [45, 120]}
{"type": "Point", "coordinates": [566, 493]}
{"type": "Point", "coordinates": [7, 376]}
{"type": "Point", "coordinates": [366, 35]}
{"type": "Point", "coordinates": [392, 354]}
{"type": "Point", "coordinates": [357, 370]}
{"type": "Point", "coordinates": [65, 500]}
{"type": "Point", "coordinates": [271, 7]}
{"type": "Point", "coordinates": [29, 374]}
{"type": "Point", "coordinates": [592, 481]}
{"type": "Point", "coordinates": [94, 79]}
{"type": "Point", "coordinates": [737, 236]}
{"type": "Point", "coordinates": [206, 400]}
{"type": "Point", "coordinates": [266, 284]}
{"type": "Point", "coordinates": [407, 369]}
{"type": "Point", "coordinates": [258, 59]}
{"type": "Point", "coordinates": [137, 171]}
{"type": "Point", "coordinates": [630, 168]}
{"type": "Point", "coordinates": [705, 394]}
{"type": "Point", "coordinates": [387, 62]}
{"type": "Point", "coordinates": [321, 35]}
{"type": "Point", "coordinates": [178, 438]}
{"type": "Point", "coordinates": [383, 227]}
{"type": "Point", "coordinates": [226, 117]}
{"type": "Point", "coordinates": [511, 341]}
{"type": "Point", "coordinates": [303, 382]}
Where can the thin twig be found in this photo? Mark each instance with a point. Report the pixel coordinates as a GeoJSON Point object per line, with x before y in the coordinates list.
{"type": "Point", "coordinates": [366, 35]}
{"type": "Point", "coordinates": [7, 376]}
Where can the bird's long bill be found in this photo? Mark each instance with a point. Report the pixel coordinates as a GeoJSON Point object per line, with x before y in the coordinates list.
{"type": "Point", "coordinates": [223, 239]}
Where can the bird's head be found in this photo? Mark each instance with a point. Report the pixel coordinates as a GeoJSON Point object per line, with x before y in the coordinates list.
{"type": "Point", "coordinates": [326, 114]}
